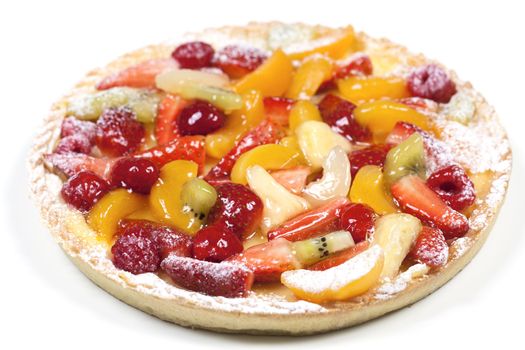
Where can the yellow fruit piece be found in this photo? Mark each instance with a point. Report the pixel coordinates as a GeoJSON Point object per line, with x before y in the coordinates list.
{"type": "Point", "coordinates": [381, 117]}
{"type": "Point", "coordinates": [165, 201]}
{"type": "Point", "coordinates": [149, 137]}
{"type": "Point", "coordinates": [302, 111]}
{"type": "Point", "coordinates": [269, 157]}
{"type": "Point", "coordinates": [237, 124]}
{"type": "Point", "coordinates": [309, 77]}
{"type": "Point", "coordinates": [107, 212]}
{"type": "Point", "coordinates": [143, 214]}
{"type": "Point", "coordinates": [272, 78]}
{"type": "Point", "coordinates": [337, 46]}
{"type": "Point", "coordinates": [352, 278]}
{"type": "Point", "coordinates": [368, 188]}
{"type": "Point", "coordinates": [358, 89]}
{"type": "Point", "coordinates": [291, 142]}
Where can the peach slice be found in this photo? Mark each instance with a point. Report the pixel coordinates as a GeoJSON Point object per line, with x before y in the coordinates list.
{"type": "Point", "coordinates": [303, 111]}
{"type": "Point", "coordinates": [358, 89]}
{"type": "Point", "coordinates": [368, 188]}
{"type": "Point", "coordinates": [309, 77]}
{"type": "Point", "coordinates": [342, 282]}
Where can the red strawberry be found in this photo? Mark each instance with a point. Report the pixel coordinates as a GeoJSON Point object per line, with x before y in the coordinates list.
{"type": "Point", "coordinates": [419, 103]}
{"type": "Point", "coordinates": [72, 163]}
{"type": "Point", "coordinates": [453, 186]}
{"type": "Point", "coordinates": [402, 131]}
{"type": "Point", "coordinates": [339, 257]}
{"type": "Point", "coordinates": [278, 109]}
{"type": "Point", "coordinates": [416, 198]}
{"type": "Point", "coordinates": [293, 179]}
{"type": "Point", "coordinates": [186, 147]}
{"type": "Point", "coordinates": [358, 219]}
{"type": "Point", "coordinates": [268, 260]}
{"type": "Point", "coordinates": [359, 66]}
{"type": "Point", "coordinates": [266, 132]}
{"type": "Point", "coordinates": [372, 155]}
{"type": "Point", "coordinates": [237, 61]}
{"type": "Point", "coordinates": [214, 243]}
{"type": "Point", "coordinates": [430, 247]}
{"type": "Point", "coordinates": [224, 279]}
{"type": "Point", "coordinates": [165, 124]}
{"type": "Point", "coordinates": [311, 223]}
{"type": "Point", "coordinates": [141, 75]}
{"type": "Point", "coordinates": [73, 126]}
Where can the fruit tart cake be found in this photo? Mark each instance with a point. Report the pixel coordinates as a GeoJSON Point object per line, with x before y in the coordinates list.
{"type": "Point", "coordinates": [271, 178]}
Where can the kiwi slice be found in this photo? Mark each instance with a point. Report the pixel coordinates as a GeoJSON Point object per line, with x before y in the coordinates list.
{"type": "Point", "coordinates": [224, 99]}
{"type": "Point", "coordinates": [315, 249]}
{"type": "Point", "coordinates": [406, 158]}
{"type": "Point", "coordinates": [198, 197]}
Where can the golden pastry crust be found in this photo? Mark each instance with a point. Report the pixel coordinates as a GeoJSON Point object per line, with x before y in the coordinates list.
{"type": "Point", "coordinates": [272, 313]}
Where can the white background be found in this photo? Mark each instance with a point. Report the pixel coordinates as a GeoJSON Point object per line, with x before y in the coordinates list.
{"type": "Point", "coordinates": [46, 46]}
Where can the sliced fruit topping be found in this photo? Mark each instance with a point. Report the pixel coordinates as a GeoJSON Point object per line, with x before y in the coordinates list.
{"type": "Point", "coordinates": [302, 111]}
{"type": "Point", "coordinates": [293, 179]}
{"type": "Point", "coordinates": [357, 66]}
{"type": "Point", "coordinates": [335, 45]}
{"type": "Point", "coordinates": [342, 282]}
{"type": "Point", "coordinates": [402, 131]}
{"type": "Point", "coordinates": [199, 196]}
{"type": "Point", "coordinates": [358, 219]}
{"type": "Point", "coordinates": [224, 279]}
{"type": "Point", "coordinates": [141, 75]}
{"type": "Point", "coordinates": [183, 148]}
{"type": "Point", "coordinates": [279, 204]}
{"type": "Point", "coordinates": [143, 103]}
{"type": "Point", "coordinates": [339, 257]}
{"type": "Point", "coordinates": [368, 188]}
{"type": "Point", "coordinates": [358, 89]}
{"type": "Point", "coordinates": [277, 109]}
{"type": "Point", "coordinates": [311, 223]}
{"type": "Point", "coordinates": [420, 104]}
{"type": "Point", "coordinates": [110, 209]}
{"type": "Point", "coordinates": [406, 158]}
{"type": "Point", "coordinates": [309, 76]}
{"type": "Point", "coordinates": [165, 198]}
{"type": "Point", "coordinates": [237, 209]}
{"type": "Point", "coordinates": [83, 190]}
{"type": "Point", "coordinates": [74, 144]}
{"type": "Point", "coordinates": [313, 250]}
{"type": "Point", "coordinates": [136, 174]}
{"type": "Point", "coordinates": [430, 247]}
{"type": "Point", "coordinates": [381, 117]}
{"type": "Point", "coordinates": [453, 186]}
{"type": "Point", "coordinates": [335, 182]}
{"type": "Point", "coordinates": [265, 133]}
{"type": "Point", "coordinates": [166, 128]}
{"type": "Point", "coordinates": [237, 61]}
{"type": "Point", "coordinates": [316, 140]}
{"type": "Point", "coordinates": [72, 126]}
{"type": "Point", "coordinates": [269, 156]}
{"type": "Point", "coordinates": [395, 233]}
{"type": "Point", "coordinates": [72, 163]}
{"type": "Point", "coordinates": [431, 82]}
{"type": "Point", "coordinates": [193, 55]}
{"type": "Point", "coordinates": [215, 243]}
{"type": "Point", "coordinates": [136, 251]}
{"type": "Point", "coordinates": [338, 113]}
{"type": "Point", "coordinates": [200, 118]}
{"type": "Point", "coordinates": [371, 155]}
{"type": "Point", "coordinates": [268, 260]}
{"type": "Point", "coordinates": [416, 198]}
{"type": "Point", "coordinates": [272, 78]}
{"type": "Point", "coordinates": [118, 132]}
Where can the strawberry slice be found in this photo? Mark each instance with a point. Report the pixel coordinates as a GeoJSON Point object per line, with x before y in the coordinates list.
{"type": "Point", "coordinates": [416, 198]}
{"type": "Point", "coordinates": [268, 260]}
{"type": "Point", "coordinates": [69, 164]}
{"type": "Point", "coordinates": [266, 132]}
{"type": "Point", "coordinates": [224, 279]}
{"type": "Point", "coordinates": [166, 128]}
{"type": "Point", "coordinates": [339, 257]}
{"type": "Point", "coordinates": [402, 131]}
{"type": "Point", "coordinates": [311, 223]}
{"type": "Point", "coordinates": [186, 147]}
{"type": "Point", "coordinates": [141, 75]}
{"type": "Point", "coordinates": [358, 66]}
{"type": "Point", "coordinates": [293, 179]}
{"type": "Point", "coordinates": [430, 247]}
{"type": "Point", "coordinates": [278, 109]}
{"type": "Point", "coordinates": [371, 155]}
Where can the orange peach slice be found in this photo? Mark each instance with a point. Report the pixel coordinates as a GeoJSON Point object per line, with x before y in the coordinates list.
{"type": "Point", "coordinates": [368, 188]}
{"type": "Point", "coordinates": [358, 89]}
{"type": "Point", "coordinates": [309, 77]}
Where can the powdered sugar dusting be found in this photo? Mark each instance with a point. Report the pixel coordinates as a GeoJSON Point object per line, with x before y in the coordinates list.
{"type": "Point", "coordinates": [390, 288]}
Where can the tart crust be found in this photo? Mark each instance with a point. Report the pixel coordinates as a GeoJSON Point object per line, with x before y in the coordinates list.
{"type": "Point", "coordinates": [267, 312]}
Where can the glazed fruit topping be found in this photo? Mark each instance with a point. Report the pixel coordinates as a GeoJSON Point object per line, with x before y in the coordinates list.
{"type": "Point", "coordinates": [199, 196]}
{"type": "Point", "coordinates": [430, 247]}
{"type": "Point", "coordinates": [83, 190]}
{"type": "Point", "coordinates": [338, 113]}
{"type": "Point", "coordinates": [194, 55]}
{"type": "Point", "coordinates": [359, 66]}
{"type": "Point", "coordinates": [215, 243]}
{"type": "Point", "coordinates": [406, 158]}
{"type": "Point", "coordinates": [237, 209]}
{"type": "Point", "coordinates": [431, 82]}
{"type": "Point", "coordinates": [72, 126]}
{"type": "Point", "coordinates": [72, 163]}
{"type": "Point", "coordinates": [74, 144]}
{"type": "Point", "coordinates": [371, 155]}
{"type": "Point", "coordinates": [358, 219]}
{"type": "Point", "coordinates": [186, 148]}
{"type": "Point", "coordinates": [340, 257]}
{"type": "Point", "coordinates": [166, 128]}
{"type": "Point", "coordinates": [223, 279]}
{"type": "Point", "coordinates": [277, 109]}
{"type": "Point", "coordinates": [118, 132]}
{"type": "Point", "coordinates": [453, 186]}
{"type": "Point", "coordinates": [237, 61]}
{"type": "Point", "coordinates": [136, 174]}
{"type": "Point", "coordinates": [200, 118]}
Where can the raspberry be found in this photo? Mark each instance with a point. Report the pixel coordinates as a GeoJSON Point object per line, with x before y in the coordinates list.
{"type": "Point", "coordinates": [431, 82]}
{"type": "Point", "coordinates": [78, 143]}
{"type": "Point", "coordinates": [73, 126]}
{"type": "Point", "coordinates": [372, 155]}
{"type": "Point", "coordinates": [200, 118]}
{"type": "Point", "coordinates": [83, 190]}
{"type": "Point", "coordinates": [118, 132]}
{"type": "Point", "coordinates": [237, 61]}
{"type": "Point", "coordinates": [193, 55]}
{"type": "Point", "coordinates": [358, 219]}
{"type": "Point", "coordinates": [137, 174]}
{"type": "Point", "coordinates": [453, 186]}
{"type": "Point", "coordinates": [430, 247]}
{"type": "Point", "coordinates": [214, 243]}
{"type": "Point", "coordinates": [136, 251]}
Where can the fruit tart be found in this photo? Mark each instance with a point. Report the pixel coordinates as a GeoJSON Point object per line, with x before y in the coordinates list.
{"type": "Point", "coordinates": [272, 178]}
